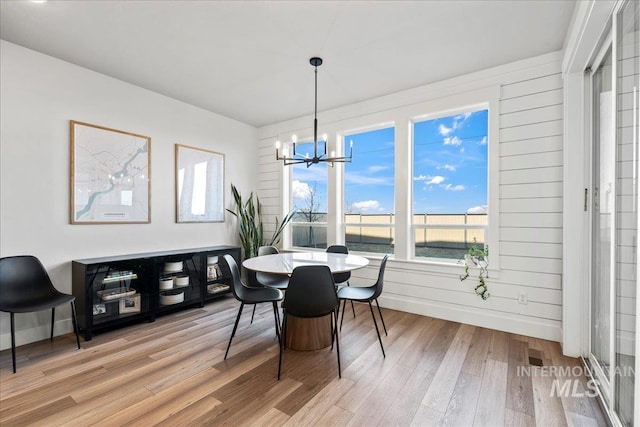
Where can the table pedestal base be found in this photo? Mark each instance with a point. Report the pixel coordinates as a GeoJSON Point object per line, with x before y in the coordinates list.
{"type": "Point", "coordinates": [308, 333]}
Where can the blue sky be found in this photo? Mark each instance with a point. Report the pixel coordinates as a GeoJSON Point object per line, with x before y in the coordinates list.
{"type": "Point", "coordinates": [449, 170]}
{"type": "Point", "coordinates": [450, 164]}
{"type": "Point", "coordinates": [369, 179]}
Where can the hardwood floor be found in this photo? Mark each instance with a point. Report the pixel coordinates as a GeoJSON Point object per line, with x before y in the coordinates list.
{"type": "Point", "coordinates": [172, 373]}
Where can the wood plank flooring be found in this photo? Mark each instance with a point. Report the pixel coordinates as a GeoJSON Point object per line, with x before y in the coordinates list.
{"type": "Point", "coordinates": [171, 373]}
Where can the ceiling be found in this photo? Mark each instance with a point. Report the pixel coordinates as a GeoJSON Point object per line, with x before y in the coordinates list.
{"type": "Point", "coordinates": [250, 60]}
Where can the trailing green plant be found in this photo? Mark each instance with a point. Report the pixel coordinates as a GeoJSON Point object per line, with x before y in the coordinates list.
{"type": "Point", "coordinates": [479, 258]}
{"type": "Point", "coordinates": [249, 215]}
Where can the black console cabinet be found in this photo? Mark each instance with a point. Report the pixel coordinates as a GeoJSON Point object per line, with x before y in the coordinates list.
{"type": "Point", "coordinates": [113, 291]}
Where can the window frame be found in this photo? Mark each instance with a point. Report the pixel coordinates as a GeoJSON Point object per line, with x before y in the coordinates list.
{"type": "Point", "coordinates": [442, 100]}
{"type": "Point", "coordinates": [288, 236]}
{"type": "Point", "coordinates": [483, 99]}
{"type": "Point", "coordinates": [342, 182]}
{"type": "Point", "coordinates": [415, 227]}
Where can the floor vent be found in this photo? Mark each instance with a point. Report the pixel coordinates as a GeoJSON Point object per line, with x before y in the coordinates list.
{"type": "Point", "coordinates": [535, 361]}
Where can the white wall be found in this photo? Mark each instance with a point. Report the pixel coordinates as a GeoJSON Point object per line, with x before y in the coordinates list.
{"type": "Point", "coordinates": [529, 201]}
{"type": "Point", "coordinates": [38, 97]}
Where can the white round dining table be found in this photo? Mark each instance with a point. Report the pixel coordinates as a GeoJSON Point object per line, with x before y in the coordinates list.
{"type": "Point", "coordinates": [302, 333]}
{"type": "Point", "coordinates": [284, 263]}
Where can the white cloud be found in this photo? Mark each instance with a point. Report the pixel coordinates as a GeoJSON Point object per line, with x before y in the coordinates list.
{"type": "Point", "coordinates": [436, 180]}
{"type": "Point", "coordinates": [484, 141]}
{"type": "Point", "coordinates": [450, 187]}
{"type": "Point", "coordinates": [300, 190]}
{"type": "Point", "coordinates": [444, 131]}
{"type": "Point", "coordinates": [461, 118]}
{"type": "Point", "coordinates": [420, 178]}
{"type": "Point", "coordinates": [462, 150]}
{"type": "Point", "coordinates": [453, 140]}
{"type": "Point", "coordinates": [366, 205]}
{"type": "Point", "coordinates": [448, 167]}
{"type": "Point", "coordinates": [377, 168]}
{"type": "Point", "coordinates": [356, 178]}
{"type": "Point", "coordinates": [477, 210]}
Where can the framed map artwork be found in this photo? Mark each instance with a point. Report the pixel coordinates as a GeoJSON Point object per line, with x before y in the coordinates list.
{"type": "Point", "coordinates": [110, 176]}
{"type": "Point", "coordinates": [199, 185]}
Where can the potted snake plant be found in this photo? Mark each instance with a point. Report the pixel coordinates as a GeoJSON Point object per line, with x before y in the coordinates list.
{"type": "Point", "coordinates": [248, 212]}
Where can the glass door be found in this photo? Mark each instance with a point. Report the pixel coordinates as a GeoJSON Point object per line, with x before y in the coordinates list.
{"type": "Point", "coordinates": [603, 220]}
{"type": "Point", "coordinates": [627, 65]}
{"type": "Point", "coordinates": [614, 221]}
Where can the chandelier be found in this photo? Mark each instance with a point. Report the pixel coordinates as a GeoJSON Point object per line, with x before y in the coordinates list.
{"type": "Point", "coordinates": [318, 157]}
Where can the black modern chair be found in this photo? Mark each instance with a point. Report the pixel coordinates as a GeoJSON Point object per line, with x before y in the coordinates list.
{"type": "Point", "coordinates": [247, 295]}
{"type": "Point", "coordinates": [311, 293]}
{"type": "Point", "coordinates": [25, 287]}
{"type": "Point", "coordinates": [341, 278]}
{"type": "Point", "coordinates": [367, 294]}
{"type": "Point", "coordinates": [276, 281]}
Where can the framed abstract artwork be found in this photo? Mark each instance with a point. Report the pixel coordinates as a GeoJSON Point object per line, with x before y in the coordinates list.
{"type": "Point", "coordinates": [199, 185]}
{"type": "Point", "coordinates": [110, 175]}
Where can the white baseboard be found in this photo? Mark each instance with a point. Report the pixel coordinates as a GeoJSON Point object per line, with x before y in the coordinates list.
{"type": "Point", "coordinates": [492, 320]}
{"type": "Point", "coordinates": [485, 319]}
{"type": "Point", "coordinates": [37, 333]}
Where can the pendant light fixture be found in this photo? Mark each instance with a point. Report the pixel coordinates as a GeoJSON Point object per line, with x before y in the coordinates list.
{"type": "Point", "coordinates": [318, 157]}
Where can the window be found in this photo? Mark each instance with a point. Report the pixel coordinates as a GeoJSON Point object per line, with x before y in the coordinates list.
{"type": "Point", "coordinates": [450, 184]}
{"type": "Point", "coordinates": [309, 200]}
{"type": "Point", "coordinates": [369, 191]}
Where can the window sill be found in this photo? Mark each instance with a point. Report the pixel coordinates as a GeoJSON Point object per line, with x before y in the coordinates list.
{"type": "Point", "coordinates": [435, 266]}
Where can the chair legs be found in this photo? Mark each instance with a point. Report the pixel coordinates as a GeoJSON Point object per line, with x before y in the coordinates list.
{"type": "Point", "coordinates": [377, 330]}
{"type": "Point", "coordinates": [276, 318]}
{"type": "Point", "coordinates": [53, 318]}
{"type": "Point", "coordinates": [75, 323]}
{"type": "Point", "coordinates": [381, 318]}
{"type": "Point", "coordinates": [334, 325]}
{"type": "Point", "coordinates": [282, 342]}
{"type": "Point", "coordinates": [352, 307]}
{"type": "Point", "coordinates": [334, 317]}
{"type": "Point", "coordinates": [235, 326]}
{"type": "Point", "coordinates": [13, 342]}
{"type": "Point", "coordinates": [344, 302]}
{"type": "Point", "coordinates": [253, 314]}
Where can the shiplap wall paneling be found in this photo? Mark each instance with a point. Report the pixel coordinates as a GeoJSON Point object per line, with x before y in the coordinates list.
{"type": "Point", "coordinates": [530, 203]}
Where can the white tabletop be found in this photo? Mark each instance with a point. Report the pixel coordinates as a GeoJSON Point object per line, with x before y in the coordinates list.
{"type": "Point", "coordinates": [284, 263]}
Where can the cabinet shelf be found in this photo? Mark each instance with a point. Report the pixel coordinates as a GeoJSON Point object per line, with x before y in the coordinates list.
{"type": "Point", "coordinates": [115, 294]}
{"type": "Point", "coordinates": [119, 277]}
{"type": "Point", "coordinates": [218, 288]}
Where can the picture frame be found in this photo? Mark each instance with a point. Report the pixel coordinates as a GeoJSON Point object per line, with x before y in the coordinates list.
{"type": "Point", "coordinates": [110, 175]}
{"type": "Point", "coordinates": [99, 309]}
{"type": "Point", "coordinates": [130, 304]}
{"type": "Point", "coordinates": [199, 185]}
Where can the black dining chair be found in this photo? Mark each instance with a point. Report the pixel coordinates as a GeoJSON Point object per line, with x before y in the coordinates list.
{"type": "Point", "coordinates": [276, 281]}
{"type": "Point", "coordinates": [311, 293]}
{"type": "Point", "coordinates": [341, 278]}
{"type": "Point", "coordinates": [25, 287]}
{"type": "Point", "coordinates": [248, 295]}
{"type": "Point", "coordinates": [367, 294]}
